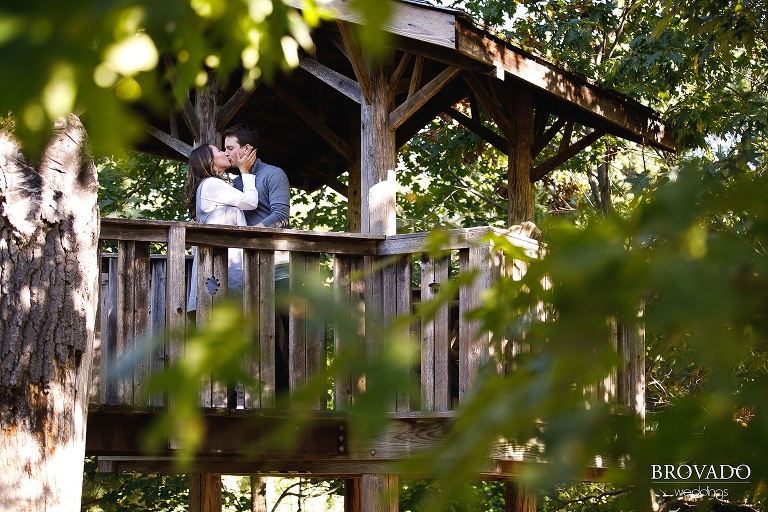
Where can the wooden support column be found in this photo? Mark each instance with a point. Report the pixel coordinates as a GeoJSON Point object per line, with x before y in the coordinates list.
{"type": "Point", "coordinates": [378, 154]}
{"type": "Point", "coordinates": [353, 186]}
{"type": "Point", "coordinates": [519, 186]}
{"type": "Point", "coordinates": [207, 110]}
{"type": "Point", "coordinates": [204, 492]}
{"type": "Point", "coordinates": [259, 494]}
{"type": "Point", "coordinates": [379, 493]}
{"type": "Point", "coordinates": [519, 497]}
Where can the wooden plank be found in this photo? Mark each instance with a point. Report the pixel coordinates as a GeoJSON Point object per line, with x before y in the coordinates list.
{"type": "Point", "coordinates": [234, 104]}
{"type": "Point", "coordinates": [188, 112]}
{"type": "Point", "coordinates": [488, 135]}
{"type": "Point", "coordinates": [416, 100]}
{"type": "Point", "coordinates": [141, 312]}
{"type": "Point", "coordinates": [475, 350]}
{"type": "Point", "coordinates": [306, 339]}
{"type": "Point", "coordinates": [343, 385]}
{"type": "Point", "coordinates": [206, 107]}
{"type": "Point", "coordinates": [400, 69]}
{"type": "Point", "coordinates": [618, 110]}
{"type": "Point", "coordinates": [541, 141]}
{"type": "Point", "coordinates": [320, 128]}
{"type": "Point", "coordinates": [334, 79]}
{"type": "Point", "coordinates": [435, 339]}
{"type": "Point", "coordinates": [205, 274]}
{"type": "Point", "coordinates": [561, 157]}
{"type": "Point", "coordinates": [498, 115]}
{"type": "Point", "coordinates": [172, 142]}
{"type": "Point", "coordinates": [158, 290]}
{"type": "Point", "coordinates": [175, 296]}
{"type": "Point", "coordinates": [126, 254]}
{"type": "Point", "coordinates": [418, 68]}
{"type": "Point", "coordinates": [259, 306]}
{"type": "Point", "coordinates": [355, 56]}
{"type": "Point", "coordinates": [519, 497]}
{"type": "Point", "coordinates": [435, 26]}
{"type": "Point", "coordinates": [109, 336]}
{"type": "Point", "coordinates": [398, 286]}
{"type": "Point", "coordinates": [221, 273]}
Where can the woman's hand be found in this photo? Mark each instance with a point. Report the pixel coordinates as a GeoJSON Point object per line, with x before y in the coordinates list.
{"type": "Point", "coordinates": [246, 162]}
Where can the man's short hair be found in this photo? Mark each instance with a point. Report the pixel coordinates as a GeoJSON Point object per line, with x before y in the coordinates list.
{"type": "Point", "coordinates": [244, 133]}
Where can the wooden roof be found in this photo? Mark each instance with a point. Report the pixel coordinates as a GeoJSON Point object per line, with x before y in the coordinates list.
{"type": "Point", "coordinates": [309, 119]}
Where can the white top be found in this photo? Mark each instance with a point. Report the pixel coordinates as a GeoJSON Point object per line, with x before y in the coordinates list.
{"type": "Point", "coordinates": [214, 192]}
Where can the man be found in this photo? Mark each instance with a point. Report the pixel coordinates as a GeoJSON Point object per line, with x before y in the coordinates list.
{"type": "Point", "coordinates": [273, 211]}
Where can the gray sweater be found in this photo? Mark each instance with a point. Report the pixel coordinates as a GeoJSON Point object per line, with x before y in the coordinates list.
{"type": "Point", "coordinates": [274, 208]}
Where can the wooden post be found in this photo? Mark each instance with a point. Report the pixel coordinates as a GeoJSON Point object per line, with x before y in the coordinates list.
{"type": "Point", "coordinates": [204, 492]}
{"type": "Point", "coordinates": [519, 186]}
{"type": "Point", "coordinates": [353, 187]}
{"type": "Point", "coordinates": [378, 156]}
{"type": "Point", "coordinates": [519, 497]}
{"type": "Point", "coordinates": [379, 493]}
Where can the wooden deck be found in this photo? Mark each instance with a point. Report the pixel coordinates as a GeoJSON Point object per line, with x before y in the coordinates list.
{"type": "Point", "coordinates": [144, 295]}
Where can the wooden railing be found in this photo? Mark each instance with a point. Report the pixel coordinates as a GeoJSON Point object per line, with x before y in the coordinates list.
{"type": "Point", "coordinates": [144, 295]}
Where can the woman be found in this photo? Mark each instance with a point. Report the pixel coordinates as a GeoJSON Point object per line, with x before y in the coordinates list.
{"type": "Point", "coordinates": [212, 200]}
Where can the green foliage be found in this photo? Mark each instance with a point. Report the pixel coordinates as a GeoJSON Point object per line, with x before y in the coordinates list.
{"type": "Point", "coordinates": [140, 186]}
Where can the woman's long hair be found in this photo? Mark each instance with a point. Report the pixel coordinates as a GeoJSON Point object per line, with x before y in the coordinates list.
{"type": "Point", "coordinates": [200, 168]}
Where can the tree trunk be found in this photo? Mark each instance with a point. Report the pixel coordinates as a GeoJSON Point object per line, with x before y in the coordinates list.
{"type": "Point", "coordinates": [49, 233]}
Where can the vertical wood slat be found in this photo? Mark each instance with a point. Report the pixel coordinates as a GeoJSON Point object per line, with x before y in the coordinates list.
{"type": "Point", "coordinates": [141, 314]}
{"type": "Point", "coordinates": [259, 311]}
{"type": "Point", "coordinates": [175, 296]}
{"type": "Point", "coordinates": [349, 295]}
{"type": "Point", "coordinates": [159, 272]}
{"type": "Point", "coordinates": [306, 340]}
{"type": "Point", "coordinates": [631, 373]}
{"type": "Point", "coordinates": [126, 254]}
{"type": "Point", "coordinates": [435, 339]}
{"type": "Point", "coordinates": [475, 348]}
{"type": "Point", "coordinates": [108, 346]}
{"type": "Point", "coordinates": [397, 300]}
{"type": "Point", "coordinates": [212, 263]}
{"type": "Point", "coordinates": [374, 308]}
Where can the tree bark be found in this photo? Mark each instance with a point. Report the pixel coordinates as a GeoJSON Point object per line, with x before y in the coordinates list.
{"type": "Point", "coordinates": [49, 233]}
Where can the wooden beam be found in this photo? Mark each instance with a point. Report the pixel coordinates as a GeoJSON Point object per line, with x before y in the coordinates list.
{"type": "Point", "coordinates": [181, 147]}
{"type": "Point", "coordinates": [415, 83]}
{"type": "Point", "coordinates": [619, 111]}
{"type": "Point", "coordinates": [355, 57]}
{"type": "Point", "coordinates": [562, 156]}
{"type": "Point", "coordinates": [188, 112]}
{"type": "Point", "coordinates": [204, 492]}
{"type": "Point", "coordinates": [400, 69]}
{"type": "Point", "coordinates": [418, 99]}
{"type": "Point", "coordinates": [567, 134]}
{"type": "Point", "coordinates": [336, 80]}
{"type": "Point", "coordinates": [434, 26]}
{"type": "Point", "coordinates": [491, 105]}
{"type": "Point", "coordinates": [323, 178]}
{"type": "Point", "coordinates": [541, 141]}
{"type": "Point", "coordinates": [488, 135]}
{"type": "Point", "coordinates": [234, 104]}
{"type": "Point", "coordinates": [336, 142]}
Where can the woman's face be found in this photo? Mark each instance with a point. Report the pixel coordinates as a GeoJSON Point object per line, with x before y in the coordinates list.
{"type": "Point", "coordinates": [220, 160]}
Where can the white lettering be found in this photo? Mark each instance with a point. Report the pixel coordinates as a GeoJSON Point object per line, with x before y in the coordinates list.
{"type": "Point", "coordinates": [655, 471]}
{"type": "Point", "coordinates": [680, 475]}
{"type": "Point", "coordinates": [738, 471]}
{"type": "Point", "coordinates": [712, 472]}
{"type": "Point", "coordinates": [670, 472]}
{"type": "Point", "coordinates": [699, 471]}
{"type": "Point", "coordinates": [722, 471]}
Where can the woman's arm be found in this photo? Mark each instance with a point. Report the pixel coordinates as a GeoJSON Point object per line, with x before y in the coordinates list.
{"type": "Point", "coordinates": [214, 191]}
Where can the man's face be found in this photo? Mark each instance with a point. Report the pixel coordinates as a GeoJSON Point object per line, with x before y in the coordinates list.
{"type": "Point", "coordinates": [232, 148]}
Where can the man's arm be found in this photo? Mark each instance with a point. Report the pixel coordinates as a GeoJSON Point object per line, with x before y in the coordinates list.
{"type": "Point", "coordinates": [279, 201]}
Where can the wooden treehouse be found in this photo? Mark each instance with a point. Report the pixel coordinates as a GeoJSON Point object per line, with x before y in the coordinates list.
{"type": "Point", "coordinates": [342, 113]}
